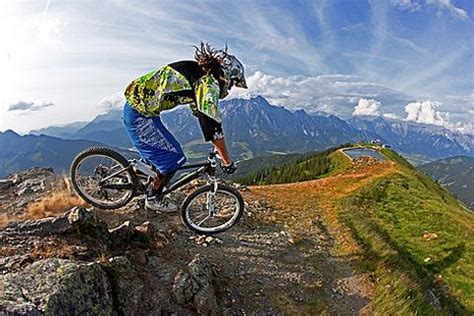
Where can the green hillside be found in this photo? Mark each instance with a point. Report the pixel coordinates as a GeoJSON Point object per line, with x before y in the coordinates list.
{"type": "Point", "coordinates": [261, 163]}
{"type": "Point", "coordinates": [408, 233]}
{"type": "Point", "coordinates": [294, 168]}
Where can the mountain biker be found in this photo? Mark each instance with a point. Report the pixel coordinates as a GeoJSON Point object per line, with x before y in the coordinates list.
{"type": "Point", "coordinates": [200, 83]}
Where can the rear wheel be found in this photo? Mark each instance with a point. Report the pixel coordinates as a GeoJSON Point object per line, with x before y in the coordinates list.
{"type": "Point", "coordinates": [209, 213]}
{"type": "Point", "coordinates": [102, 178]}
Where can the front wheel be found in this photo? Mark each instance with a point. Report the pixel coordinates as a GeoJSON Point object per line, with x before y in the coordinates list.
{"type": "Point", "coordinates": [206, 212]}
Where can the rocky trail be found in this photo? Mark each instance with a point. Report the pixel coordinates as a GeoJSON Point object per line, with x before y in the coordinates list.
{"type": "Point", "coordinates": [135, 262]}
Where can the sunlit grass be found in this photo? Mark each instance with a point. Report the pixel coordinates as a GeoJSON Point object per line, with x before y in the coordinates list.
{"type": "Point", "coordinates": [382, 213]}
{"type": "Point", "coordinates": [59, 200]}
{"type": "Point", "coordinates": [392, 216]}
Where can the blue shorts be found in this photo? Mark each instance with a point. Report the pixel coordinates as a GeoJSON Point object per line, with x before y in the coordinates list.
{"type": "Point", "coordinates": [153, 141]}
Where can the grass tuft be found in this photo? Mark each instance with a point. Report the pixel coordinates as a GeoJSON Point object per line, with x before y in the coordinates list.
{"type": "Point", "coordinates": [60, 199]}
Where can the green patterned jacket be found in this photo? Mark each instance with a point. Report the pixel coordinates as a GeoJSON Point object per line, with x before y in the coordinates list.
{"type": "Point", "coordinates": [167, 88]}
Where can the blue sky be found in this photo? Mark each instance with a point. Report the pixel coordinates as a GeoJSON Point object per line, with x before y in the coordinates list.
{"type": "Point", "coordinates": [64, 61]}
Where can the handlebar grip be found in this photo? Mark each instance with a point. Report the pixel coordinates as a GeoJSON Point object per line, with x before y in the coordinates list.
{"type": "Point", "coordinates": [215, 154]}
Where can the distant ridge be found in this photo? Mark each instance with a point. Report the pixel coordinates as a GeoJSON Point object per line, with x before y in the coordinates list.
{"type": "Point", "coordinates": [256, 128]}
{"type": "Point", "coordinates": [456, 174]}
{"type": "Point", "coordinates": [22, 152]}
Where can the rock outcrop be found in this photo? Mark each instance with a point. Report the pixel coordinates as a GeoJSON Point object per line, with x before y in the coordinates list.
{"type": "Point", "coordinates": [5, 184]}
{"type": "Point", "coordinates": [78, 218]}
{"type": "Point", "coordinates": [121, 273]}
{"type": "Point", "coordinates": [127, 285]}
{"type": "Point", "coordinates": [56, 287]}
{"type": "Point", "coordinates": [193, 286]}
{"type": "Point", "coordinates": [75, 264]}
{"type": "Point", "coordinates": [24, 187]}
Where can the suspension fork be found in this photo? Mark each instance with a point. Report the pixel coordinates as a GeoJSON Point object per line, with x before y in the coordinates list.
{"type": "Point", "coordinates": [212, 180]}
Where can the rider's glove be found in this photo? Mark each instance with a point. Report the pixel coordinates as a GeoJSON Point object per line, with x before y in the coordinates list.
{"type": "Point", "coordinates": [230, 169]}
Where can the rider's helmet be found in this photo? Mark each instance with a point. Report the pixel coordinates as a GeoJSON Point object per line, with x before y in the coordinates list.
{"type": "Point", "coordinates": [233, 71]}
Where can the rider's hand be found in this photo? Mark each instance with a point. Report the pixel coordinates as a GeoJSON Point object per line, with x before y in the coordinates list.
{"type": "Point", "coordinates": [229, 169]}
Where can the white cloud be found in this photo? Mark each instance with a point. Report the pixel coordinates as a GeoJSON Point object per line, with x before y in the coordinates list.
{"type": "Point", "coordinates": [327, 108]}
{"type": "Point", "coordinates": [28, 106]}
{"type": "Point", "coordinates": [391, 116]}
{"type": "Point", "coordinates": [335, 93]}
{"type": "Point", "coordinates": [367, 107]}
{"type": "Point", "coordinates": [410, 5]}
{"type": "Point", "coordinates": [114, 101]}
{"type": "Point", "coordinates": [465, 127]}
{"type": "Point", "coordinates": [447, 5]}
{"type": "Point", "coordinates": [415, 5]}
{"type": "Point", "coordinates": [51, 30]}
{"type": "Point", "coordinates": [426, 112]}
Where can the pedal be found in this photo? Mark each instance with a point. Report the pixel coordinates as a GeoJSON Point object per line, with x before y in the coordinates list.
{"type": "Point", "coordinates": [141, 201]}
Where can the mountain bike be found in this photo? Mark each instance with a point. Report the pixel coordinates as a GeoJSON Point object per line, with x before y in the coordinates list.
{"type": "Point", "coordinates": [106, 179]}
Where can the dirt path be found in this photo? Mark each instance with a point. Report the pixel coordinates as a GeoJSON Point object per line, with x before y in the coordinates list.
{"type": "Point", "coordinates": [314, 247]}
{"type": "Point", "coordinates": [288, 256]}
{"type": "Point", "coordinates": [263, 271]}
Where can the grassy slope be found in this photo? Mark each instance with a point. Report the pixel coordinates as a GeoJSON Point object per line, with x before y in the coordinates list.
{"type": "Point", "coordinates": [291, 168]}
{"type": "Point", "coordinates": [396, 224]}
{"type": "Point", "coordinates": [260, 163]}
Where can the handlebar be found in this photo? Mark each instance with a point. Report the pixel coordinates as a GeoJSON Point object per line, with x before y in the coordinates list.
{"type": "Point", "coordinates": [214, 154]}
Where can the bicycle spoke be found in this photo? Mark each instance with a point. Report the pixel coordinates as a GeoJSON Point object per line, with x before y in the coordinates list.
{"type": "Point", "coordinates": [207, 217]}
{"type": "Point", "coordinates": [226, 209]}
{"type": "Point", "coordinates": [201, 215]}
{"type": "Point", "coordinates": [95, 172]}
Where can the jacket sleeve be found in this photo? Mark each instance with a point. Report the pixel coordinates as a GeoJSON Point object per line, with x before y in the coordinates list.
{"type": "Point", "coordinates": [207, 93]}
{"type": "Point", "coordinates": [211, 129]}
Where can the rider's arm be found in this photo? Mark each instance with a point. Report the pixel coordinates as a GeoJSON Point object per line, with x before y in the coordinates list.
{"type": "Point", "coordinates": [212, 131]}
{"type": "Point", "coordinates": [222, 150]}
{"type": "Point", "coordinates": [207, 93]}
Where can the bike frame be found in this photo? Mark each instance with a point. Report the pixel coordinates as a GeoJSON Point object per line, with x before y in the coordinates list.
{"type": "Point", "coordinates": [203, 168]}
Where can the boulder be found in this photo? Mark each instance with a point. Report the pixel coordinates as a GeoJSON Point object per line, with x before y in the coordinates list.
{"type": "Point", "coordinates": [193, 286]}
{"type": "Point", "coordinates": [152, 234]}
{"type": "Point", "coordinates": [75, 219]}
{"type": "Point", "coordinates": [32, 173]}
{"type": "Point", "coordinates": [142, 236]}
{"type": "Point", "coordinates": [122, 234]}
{"type": "Point", "coordinates": [14, 262]}
{"type": "Point", "coordinates": [126, 284]}
{"type": "Point", "coordinates": [31, 186]}
{"type": "Point", "coordinates": [56, 287]}
{"type": "Point", "coordinates": [5, 184]}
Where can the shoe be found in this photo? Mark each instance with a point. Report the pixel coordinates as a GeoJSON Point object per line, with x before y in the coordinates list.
{"type": "Point", "coordinates": [163, 205]}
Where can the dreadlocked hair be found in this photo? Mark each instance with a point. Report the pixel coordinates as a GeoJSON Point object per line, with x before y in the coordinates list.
{"type": "Point", "coordinates": [210, 59]}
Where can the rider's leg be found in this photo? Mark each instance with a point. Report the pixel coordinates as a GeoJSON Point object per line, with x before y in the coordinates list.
{"type": "Point", "coordinates": [160, 182]}
{"type": "Point", "coordinates": [155, 143]}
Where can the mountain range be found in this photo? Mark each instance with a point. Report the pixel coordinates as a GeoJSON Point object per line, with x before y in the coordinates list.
{"type": "Point", "coordinates": [22, 152]}
{"type": "Point", "coordinates": [253, 128]}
